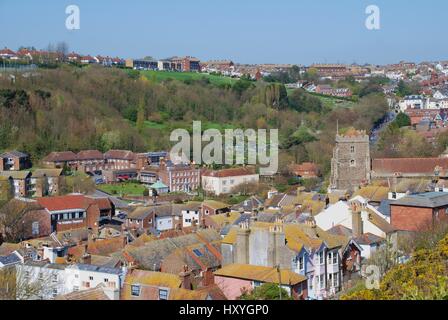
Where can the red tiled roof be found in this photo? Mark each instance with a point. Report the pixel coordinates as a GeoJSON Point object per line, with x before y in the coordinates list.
{"type": "Point", "coordinates": [60, 157]}
{"type": "Point", "coordinates": [409, 165]}
{"type": "Point", "coordinates": [119, 154]}
{"type": "Point", "coordinates": [102, 203]}
{"type": "Point", "coordinates": [64, 202]}
{"type": "Point", "coordinates": [234, 172]}
{"type": "Point", "coordinates": [7, 51]}
{"type": "Point", "coordinates": [90, 155]}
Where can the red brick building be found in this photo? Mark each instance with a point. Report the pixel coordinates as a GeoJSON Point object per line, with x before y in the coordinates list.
{"type": "Point", "coordinates": [179, 178]}
{"type": "Point", "coordinates": [73, 212]}
{"type": "Point", "coordinates": [419, 212]}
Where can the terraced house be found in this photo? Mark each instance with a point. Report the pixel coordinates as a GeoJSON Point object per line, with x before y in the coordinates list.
{"type": "Point", "coordinates": [304, 249]}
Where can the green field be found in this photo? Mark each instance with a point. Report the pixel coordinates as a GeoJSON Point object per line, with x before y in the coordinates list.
{"type": "Point", "coordinates": [126, 188]}
{"type": "Point", "coordinates": [185, 76]}
{"type": "Point", "coordinates": [333, 102]}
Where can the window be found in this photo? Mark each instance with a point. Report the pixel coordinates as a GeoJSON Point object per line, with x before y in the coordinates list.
{"type": "Point", "coordinates": [91, 278]}
{"type": "Point", "coordinates": [41, 276]}
{"type": "Point", "coordinates": [75, 288]}
{"type": "Point", "coordinates": [320, 257]}
{"type": "Point", "coordinates": [135, 290]}
{"type": "Point", "coordinates": [352, 149]}
{"type": "Point", "coordinates": [54, 278]}
{"type": "Point", "coordinates": [55, 292]}
{"type": "Point", "coordinates": [321, 281]}
{"type": "Point", "coordinates": [106, 280]}
{"type": "Point", "coordinates": [302, 263]}
{"type": "Point", "coordinates": [163, 294]}
{"type": "Point", "coordinates": [335, 280]}
{"type": "Point", "coordinates": [352, 163]}
{"type": "Point", "coordinates": [35, 228]}
{"type": "Point", "coordinates": [332, 258]}
{"type": "Point", "coordinates": [311, 282]}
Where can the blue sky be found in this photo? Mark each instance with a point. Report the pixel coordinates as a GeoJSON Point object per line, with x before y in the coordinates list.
{"type": "Point", "coordinates": [246, 31]}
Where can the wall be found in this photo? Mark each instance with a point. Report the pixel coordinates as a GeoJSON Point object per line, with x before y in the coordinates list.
{"type": "Point", "coordinates": [164, 223]}
{"type": "Point", "coordinates": [233, 288]}
{"type": "Point", "coordinates": [412, 218]}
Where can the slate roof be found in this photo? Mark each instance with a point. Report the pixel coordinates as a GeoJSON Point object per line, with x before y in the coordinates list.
{"type": "Point", "coordinates": [152, 254]}
{"type": "Point", "coordinates": [384, 207]}
{"type": "Point", "coordinates": [92, 268]}
{"type": "Point", "coordinates": [424, 200]}
{"type": "Point", "coordinates": [10, 259]}
{"type": "Point", "coordinates": [249, 205]}
{"type": "Point", "coordinates": [14, 154]}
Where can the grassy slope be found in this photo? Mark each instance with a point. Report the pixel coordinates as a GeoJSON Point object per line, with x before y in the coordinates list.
{"type": "Point", "coordinates": [182, 76]}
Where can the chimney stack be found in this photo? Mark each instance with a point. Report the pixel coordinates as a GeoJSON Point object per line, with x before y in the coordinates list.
{"type": "Point", "coordinates": [86, 259]}
{"type": "Point", "coordinates": [357, 225]}
{"type": "Point", "coordinates": [242, 243]}
{"type": "Point", "coordinates": [185, 278]}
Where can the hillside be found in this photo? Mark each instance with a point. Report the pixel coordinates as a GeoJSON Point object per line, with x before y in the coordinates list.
{"type": "Point", "coordinates": [72, 108]}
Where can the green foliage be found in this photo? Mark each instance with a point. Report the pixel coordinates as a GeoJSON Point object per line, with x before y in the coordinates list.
{"type": "Point", "coordinates": [267, 291]}
{"type": "Point", "coordinates": [402, 120]}
{"type": "Point", "coordinates": [310, 184]}
{"type": "Point", "coordinates": [301, 101]}
{"type": "Point", "coordinates": [407, 89]}
{"type": "Point", "coordinates": [425, 277]}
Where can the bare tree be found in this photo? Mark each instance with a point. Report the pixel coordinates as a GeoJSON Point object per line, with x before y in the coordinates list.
{"type": "Point", "coordinates": [17, 284]}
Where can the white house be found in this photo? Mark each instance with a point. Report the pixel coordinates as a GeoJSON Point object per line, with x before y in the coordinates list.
{"type": "Point", "coordinates": [190, 214]}
{"type": "Point", "coordinates": [80, 277]}
{"type": "Point", "coordinates": [340, 213]}
{"type": "Point", "coordinates": [413, 102]}
{"type": "Point", "coordinates": [224, 181]}
{"type": "Point", "coordinates": [55, 279]}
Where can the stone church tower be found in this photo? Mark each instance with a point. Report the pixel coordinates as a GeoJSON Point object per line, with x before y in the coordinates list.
{"type": "Point", "coordinates": [350, 166]}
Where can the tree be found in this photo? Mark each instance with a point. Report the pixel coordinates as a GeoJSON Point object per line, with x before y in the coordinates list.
{"type": "Point", "coordinates": [302, 101]}
{"type": "Point", "coordinates": [267, 291]}
{"type": "Point", "coordinates": [424, 277]}
{"type": "Point", "coordinates": [78, 182]}
{"type": "Point", "coordinates": [402, 120]}
{"type": "Point", "coordinates": [141, 116]}
{"type": "Point", "coordinates": [407, 89]}
{"type": "Point", "coordinates": [12, 219]}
